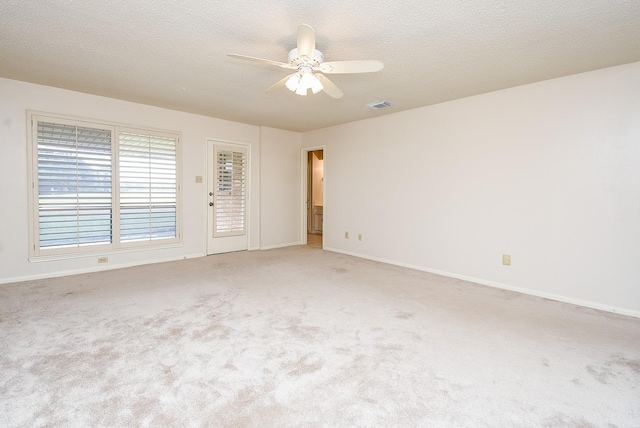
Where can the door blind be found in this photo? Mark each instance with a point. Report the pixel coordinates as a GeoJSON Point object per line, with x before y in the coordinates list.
{"type": "Point", "coordinates": [148, 187]}
{"type": "Point", "coordinates": [74, 185]}
{"type": "Point", "coordinates": [230, 195]}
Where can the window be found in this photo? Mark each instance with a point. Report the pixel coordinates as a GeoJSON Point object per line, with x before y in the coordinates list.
{"type": "Point", "coordinates": [100, 186]}
{"type": "Point", "coordinates": [148, 198]}
{"type": "Point", "coordinates": [230, 191]}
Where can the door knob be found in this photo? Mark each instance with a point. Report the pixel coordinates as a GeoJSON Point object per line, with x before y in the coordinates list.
{"type": "Point", "coordinates": [210, 204]}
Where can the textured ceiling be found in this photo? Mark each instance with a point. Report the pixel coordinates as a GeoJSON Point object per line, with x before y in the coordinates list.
{"type": "Point", "coordinates": [173, 54]}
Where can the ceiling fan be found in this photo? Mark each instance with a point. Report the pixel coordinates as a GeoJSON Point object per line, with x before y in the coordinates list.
{"type": "Point", "coordinates": [310, 68]}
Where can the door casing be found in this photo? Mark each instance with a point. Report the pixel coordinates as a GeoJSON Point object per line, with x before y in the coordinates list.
{"type": "Point", "coordinates": [304, 200]}
{"type": "Point", "coordinates": [226, 244]}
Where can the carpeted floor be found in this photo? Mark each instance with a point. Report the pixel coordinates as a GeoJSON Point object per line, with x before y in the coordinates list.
{"type": "Point", "coordinates": [303, 337]}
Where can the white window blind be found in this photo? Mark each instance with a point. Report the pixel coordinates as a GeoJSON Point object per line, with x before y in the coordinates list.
{"type": "Point", "coordinates": [148, 187]}
{"type": "Point", "coordinates": [100, 186]}
{"type": "Point", "coordinates": [74, 185]}
{"type": "Point", "coordinates": [230, 192]}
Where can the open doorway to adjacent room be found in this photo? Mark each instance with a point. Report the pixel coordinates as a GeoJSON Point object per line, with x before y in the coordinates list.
{"type": "Point", "coordinates": [315, 197]}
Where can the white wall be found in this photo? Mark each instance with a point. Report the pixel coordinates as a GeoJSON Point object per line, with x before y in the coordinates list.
{"type": "Point", "coordinates": [16, 97]}
{"type": "Point", "coordinates": [280, 180]}
{"type": "Point", "coordinates": [547, 172]}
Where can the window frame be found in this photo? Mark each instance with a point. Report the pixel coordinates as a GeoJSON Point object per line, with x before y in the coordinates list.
{"type": "Point", "coordinates": [115, 246]}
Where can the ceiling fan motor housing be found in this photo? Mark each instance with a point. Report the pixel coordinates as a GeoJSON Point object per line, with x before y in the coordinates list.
{"type": "Point", "coordinates": [296, 60]}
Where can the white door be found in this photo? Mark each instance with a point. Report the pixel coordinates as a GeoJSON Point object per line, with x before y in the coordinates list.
{"type": "Point", "coordinates": [227, 197]}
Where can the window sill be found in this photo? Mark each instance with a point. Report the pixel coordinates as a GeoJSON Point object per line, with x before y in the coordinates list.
{"type": "Point", "coordinates": [102, 253]}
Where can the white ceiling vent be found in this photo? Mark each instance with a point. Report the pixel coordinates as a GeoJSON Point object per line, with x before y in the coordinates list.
{"type": "Point", "coordinates": [379, 104]}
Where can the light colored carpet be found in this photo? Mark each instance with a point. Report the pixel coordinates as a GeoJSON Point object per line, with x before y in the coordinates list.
{"type": "Point", "coordinates": [303, 337]}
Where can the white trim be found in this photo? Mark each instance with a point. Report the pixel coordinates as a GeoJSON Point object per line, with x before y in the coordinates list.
{"type": "Point", "coordinates": [211, 144]}
{"type": "Point", "coordinates": [37, 254]}
{"type": "Point", "coordinates": [272, 247]}
{"type": "Point", "coordinates": [304, 153]}
{"type": "Point", "coordinates": [99, 268]}
{"type": "Point", "coordinates": [103, 252]}
{"type": "Point", "coordinates": [102, 122]}
{"type": "Point", "coordinates": [528, 291]}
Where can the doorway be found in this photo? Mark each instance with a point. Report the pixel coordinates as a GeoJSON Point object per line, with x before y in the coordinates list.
{"type": "Point", "coordinates": [315, 197]}
{"type": "Point", "coordinates": [227, 197]}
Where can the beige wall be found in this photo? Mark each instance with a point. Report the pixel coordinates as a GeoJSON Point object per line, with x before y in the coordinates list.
{"type": "Point", "coordinates": [280, 157]}
{"type": "Point", "coordinates": [281, 188]}
{"type": "Point", "coordinates": [548, 173]}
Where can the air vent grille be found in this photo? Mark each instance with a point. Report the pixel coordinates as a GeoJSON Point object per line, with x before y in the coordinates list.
{"type": "Point", "coordinates": [379, 104]}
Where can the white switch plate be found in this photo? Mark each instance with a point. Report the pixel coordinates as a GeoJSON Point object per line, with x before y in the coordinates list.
{"type": "Point", "coordinates": [506, 259]}
{"type": "Point", "coordinates": [346, 235]}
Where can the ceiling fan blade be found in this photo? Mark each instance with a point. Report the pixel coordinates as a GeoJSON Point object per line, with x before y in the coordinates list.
{"type": "Point", "coordinates": [329, 87]}
{"type": "Point", "coordinates": [356, 66]}
{"type": "Point", "coordinates": [261, 60]}
{"type": "Point", "coordinates": [306, 41]}
{"type": "Point", "coordinates": [279, 84]}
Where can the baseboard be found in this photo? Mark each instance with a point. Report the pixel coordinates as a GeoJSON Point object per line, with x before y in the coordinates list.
{"type": "Point", "coordinates": [528, 291]}
{"type": "Point", "coordinates": [103, 267]}
{"type": "Point", "coordinates": [99, 268]}
{"type": "Point", "coordinates": [271, 247]}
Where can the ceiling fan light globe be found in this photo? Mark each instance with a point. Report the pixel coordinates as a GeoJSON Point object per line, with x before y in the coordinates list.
{"type": "Point", "coordinates": [307, 80]}
{"type": "Point", "coordinates": [316, 85]}
{"type": "Point", "coordinates": [292, 82]}
{"type": "Point", "coordinates": [302, 90]}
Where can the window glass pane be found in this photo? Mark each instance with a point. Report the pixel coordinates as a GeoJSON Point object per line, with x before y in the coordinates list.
{"type": "Point", "coordinates": [230, 192]}
{"type": "Point", "coordinates": [148, 187]}
{"type": "Point", "coordinates": [74, 185]}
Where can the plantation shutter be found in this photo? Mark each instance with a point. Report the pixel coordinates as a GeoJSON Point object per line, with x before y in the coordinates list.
{"type": "Point", "coordinates": [74, 185]}
{"type": "Point", "coordinates": [148, 187]}
{"type": "Point", "coordinates": [230, 192]}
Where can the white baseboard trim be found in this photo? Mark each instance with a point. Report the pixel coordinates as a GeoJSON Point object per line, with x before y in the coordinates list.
{"type": "Point", "coordinates": [99, 268]}
{"type": "Point", "coordinates": [550, 296]}
{"type": "Point", "coordinates": [271, 247]}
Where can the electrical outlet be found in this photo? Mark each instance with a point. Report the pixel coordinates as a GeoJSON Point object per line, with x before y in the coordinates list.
{"type": "Point", "coordinates": [198, 179]}
{"type": "Point", "coordinates": [506, 259]}
{"type": "Point", "coordinates": [103, 259]}
{"type": "Point", "coordinates": [346, 235]}
{"type": "Point", "coordinates": [359, 236]}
